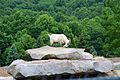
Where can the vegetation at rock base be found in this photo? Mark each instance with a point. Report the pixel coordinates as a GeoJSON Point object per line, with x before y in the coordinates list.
{"type": "Point", "coordinates": [90, 24]}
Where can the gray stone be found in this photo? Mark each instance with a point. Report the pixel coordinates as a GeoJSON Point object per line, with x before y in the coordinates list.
{"type": "Point", "coordinates": [7, 78]}
{"type": "Point", "coordinates": [103, 65]}
{"type": "Point", "coordinates": [49, 67]}
{"type": "Point", "coordinates": [117, 66]}
{"type": "Point", "coordinates": [48, 52]}
{"type": "Point", "coordinates": [86, 55]}
{"type": "Point", "coordinates": [54, 67]}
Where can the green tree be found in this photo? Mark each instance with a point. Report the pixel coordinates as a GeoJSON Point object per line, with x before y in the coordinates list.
{"type": "Point", "coordinates": [43, 22]}
{"type": "Point", "coordinates": [43, 39]}
{"type": "Point", "coordinates": [27, 41]}
{"type": "Point", "coordinates": [5, 41]}
{"type": "Point", "coordinates": [82, 13]}
{"type": "Point", "coordinates": [111, 22]}
{"type": "Point", "coordinates": [16, 51]}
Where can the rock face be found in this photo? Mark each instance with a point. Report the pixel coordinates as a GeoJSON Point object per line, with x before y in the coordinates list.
{"type": "Point", "coordinates": [53, 67]}
{"type": "Point", "coordinates": [102, 64]}
{"type": "Point", "coordinates": [49, 67]}
{"type": "Point", "coordinates": [48, 52]}
{"type": "Point", "coordinates": [117, 68]}
{"type": "Point", "coordinates": [86, 55]}
{"type": "Point", "coordinates": [117, 65]}
{"type": "Point", "coordinates": [60, 61]}
{"type": "Point", "coordinates": [7, 78]}
{"type": "Point", "coordinates": [4, 75]}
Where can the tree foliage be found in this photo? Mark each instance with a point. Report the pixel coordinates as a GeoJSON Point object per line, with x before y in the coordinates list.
{"type": "Point", "coordinates": [90, 24]}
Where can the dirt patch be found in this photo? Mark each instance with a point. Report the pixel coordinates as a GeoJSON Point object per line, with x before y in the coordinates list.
{"type": "Point", "coordinates": [3, 72]}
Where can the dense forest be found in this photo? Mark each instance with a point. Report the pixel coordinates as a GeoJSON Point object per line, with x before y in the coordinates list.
{"type": "Point", "coordinates": [90, 24]}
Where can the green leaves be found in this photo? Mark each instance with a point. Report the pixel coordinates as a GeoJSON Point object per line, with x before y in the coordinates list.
{"type": "Point", "coordinates": [44, 22]}
{"type": "Point", "coordinates": [82, 13]}
{"type": "Point", "coordinates": [90, 24]}
{"type": "Point", "coordinates": [27, 41]}
{"type": "Point", "coordinates": [17, 50]}
{"type": "Point", "coordinates": [5, 41]}
{"type": "Point", "coordinates": [43, 39]}
{"type": "Point", "coordinates": [111, 23]}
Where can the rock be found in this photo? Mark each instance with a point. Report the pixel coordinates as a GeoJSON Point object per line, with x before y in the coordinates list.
{"type": "Point", "coordinates": [3, 72]}
{"type": "Point", "coordinates": [115, 59]}
{"type": "Point", "coordinates": [48, 52]}
{"type": "Point", "coordinates": [7, 78]}
{"type": "Point", "coordinates": [18, 61]}
{"type": "Point", "coordinates": [49, 67]}
{"type": "Point", "coordinates": [86, 55]}
{"type": "Point", "coordinates": [100, 58]}
{"type": "Point", "coordinates": [117, 66]}
{"type": "Point", "coordinates": [54, 67]}
{"type": "Point", "coordinates": [101, 64]}
{"type": "Point", "coordinates": [4, 75]}
{"type": "Point", "coordinates": [117, 72]}
{"type": "Point", "coordinates": [111, 74]}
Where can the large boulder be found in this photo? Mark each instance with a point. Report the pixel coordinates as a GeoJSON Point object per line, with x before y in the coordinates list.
{"type": "Point", "coordinates": [102, 64]}
{"type": "Point", "coordinates": [48, 52]}
{"type": "Point", "coordinates": [39, 68]}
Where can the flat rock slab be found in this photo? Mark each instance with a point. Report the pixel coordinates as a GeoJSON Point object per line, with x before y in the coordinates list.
{"type": "Point", "coordinates": [115, 59]}
{"type": "Point", "coordinates": [7, 78]}
{"type": "Point", "coordinates": [20, 68]}
{"type": "Point", "coordinates": [48, 52]}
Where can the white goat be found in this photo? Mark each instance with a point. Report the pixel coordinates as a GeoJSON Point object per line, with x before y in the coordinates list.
{"type": "Point", "coordinates": [61, 38]}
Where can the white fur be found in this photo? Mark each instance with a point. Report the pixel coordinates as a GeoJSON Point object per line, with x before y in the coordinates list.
{"type": "Point", "coordinates": [61, 38]}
